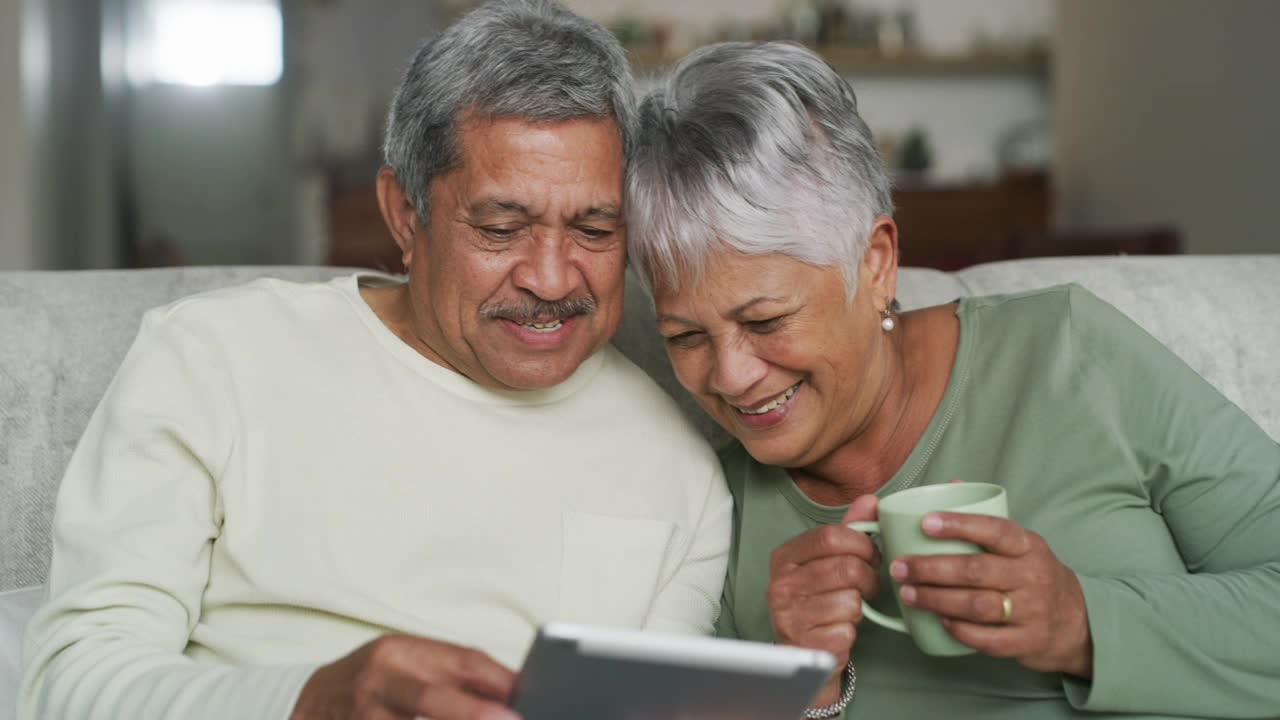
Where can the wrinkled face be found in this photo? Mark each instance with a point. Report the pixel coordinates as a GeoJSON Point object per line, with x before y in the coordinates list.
{"type": "Point", "coordinates": [518, 278]}
{"type": "Point", "coordinates": [774, 350]}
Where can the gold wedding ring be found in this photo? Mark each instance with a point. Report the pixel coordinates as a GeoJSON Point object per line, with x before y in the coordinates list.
{"type": "Point", "coordinates": [1006, 607]}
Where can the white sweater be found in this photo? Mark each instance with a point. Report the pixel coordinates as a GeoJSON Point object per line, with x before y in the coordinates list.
{"type": "Point", "coordinates": [274, 478]}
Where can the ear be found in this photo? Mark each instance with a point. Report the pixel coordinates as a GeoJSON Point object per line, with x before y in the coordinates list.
{"type": "Point", "coordinates": [397, 212]}
{"type": "Point", "coordinates": [879, 271]}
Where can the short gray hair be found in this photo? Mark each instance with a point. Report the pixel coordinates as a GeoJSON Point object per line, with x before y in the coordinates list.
{"type": "Point", "coordinates": [755, 147]}
{"type": "Point", "coordinates": [524, 58]}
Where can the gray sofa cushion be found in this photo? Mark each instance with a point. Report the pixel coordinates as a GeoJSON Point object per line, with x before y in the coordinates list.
{"type": "Point", "coordinates": [16, 609]}
{"type": "Point", "coordinates": [63, 334]}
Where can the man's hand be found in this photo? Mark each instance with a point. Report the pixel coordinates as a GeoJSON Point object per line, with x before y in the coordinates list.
{"type": "Point", "coordinates": [817, 581]}
{"type": "Point", "coordinates": [399, 676]}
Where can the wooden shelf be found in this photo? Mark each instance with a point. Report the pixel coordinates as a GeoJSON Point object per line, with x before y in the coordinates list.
{"type": "Point", "coordinates": [863, 61]}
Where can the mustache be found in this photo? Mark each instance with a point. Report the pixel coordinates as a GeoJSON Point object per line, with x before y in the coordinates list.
{"type": "Point", "coordinates": [539, 310]}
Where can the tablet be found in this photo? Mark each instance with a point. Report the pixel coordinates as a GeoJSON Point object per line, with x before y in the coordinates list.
{"type": "Point", "coordinates": [581, 672]}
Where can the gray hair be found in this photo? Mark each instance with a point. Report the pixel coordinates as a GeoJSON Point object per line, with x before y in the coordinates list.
{"type": "Point", "coordinates": [758, 148]}
{"type": "Point", "coordinates": [525, 58]}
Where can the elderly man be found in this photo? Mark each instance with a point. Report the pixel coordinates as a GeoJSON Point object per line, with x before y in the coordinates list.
{"type": "Point", "coordinates": [408, 477]}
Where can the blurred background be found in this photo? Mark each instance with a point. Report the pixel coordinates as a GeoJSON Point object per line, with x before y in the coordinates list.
{"type": "Point", "coordinates": [137, 133]}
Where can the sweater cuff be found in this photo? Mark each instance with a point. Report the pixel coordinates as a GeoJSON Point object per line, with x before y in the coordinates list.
{"type": "Point", "coordinates": [1111, 688]}
{"type": "Point", "coordinates": [1100, 608]}
{"type": "Point", "coordinates": [285, 699]}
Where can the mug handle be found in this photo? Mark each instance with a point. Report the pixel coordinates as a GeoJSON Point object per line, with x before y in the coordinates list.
{"type": "Point", "coordinates": [872, 527]}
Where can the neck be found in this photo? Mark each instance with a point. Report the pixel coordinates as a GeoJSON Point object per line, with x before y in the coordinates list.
{"type": "Point", "coordinates": [394, 306]}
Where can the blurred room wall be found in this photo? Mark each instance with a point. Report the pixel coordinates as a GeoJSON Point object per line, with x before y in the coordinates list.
{"type": "Point", "coordinates": [239, 174]}
{"type": "Point", "coordinates": [967, 117]}
{"type": "Point", "coordinates": [18, 250]}
{"type": "Point", "coordinates": [209, 171]}
{"type": "Point", "coordinates": [56, 202]}
{"type": "Point", "coordinates": [74, 158]}
{"type": "Point", "coordinates": [212, 173]}
{"type": "Point", "coordinates": [1166, 111]}
{"type": "Point", "coordinates": [946, 25]}
{"type": "Point", "coordinates": [1156, 112]}
{"type": "Point", "coordinates": [346, 63]}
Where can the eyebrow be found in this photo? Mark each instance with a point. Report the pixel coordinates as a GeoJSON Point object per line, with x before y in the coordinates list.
{"type": "Point", "coordinates": [739, 310]}
{"type": "Point", "coordinates": [735, 313]}
{"type": "Point", "coordinates": [487, 206]}
{"type": "Point", "coordinates": [603, 212]}
{"type": "Point", "coordinates": [675, 319]}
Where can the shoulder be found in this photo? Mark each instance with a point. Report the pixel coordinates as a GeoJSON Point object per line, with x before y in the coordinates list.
{"type": "Point", "coordinates": [626, 391]}
{"type": "Point", "coordinates": [262, 309]}
{"type": "Point", "coordinates": [1069, 302]}
{"type": "Point", "coordinates": [1068, 311]}
{"type": "Point", "coordinates": [736, 463]}
{"type": "Point", "coordinates": [629, 385]}
{"type": "Point", "coordinates": [1069, 328]}
{"type": "Point", "coordinates": [263, 295]}
{"type": "Point", "coordinates": [1042, 303]}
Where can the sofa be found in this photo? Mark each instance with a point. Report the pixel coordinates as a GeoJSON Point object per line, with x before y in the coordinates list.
{"type": "Point", "coordinates": [62, 335]}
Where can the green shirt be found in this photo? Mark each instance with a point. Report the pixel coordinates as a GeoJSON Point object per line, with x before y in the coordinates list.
{"type": "Point", "coordinates": [1160, 494]}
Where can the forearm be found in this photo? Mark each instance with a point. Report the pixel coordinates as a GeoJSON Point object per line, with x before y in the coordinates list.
{"type": "Point", "coordinates": [689, 600]}
{"type": "Point", "coordinates": [1201, 645]}
{"type": "Point", "coordinates": [106, 677]}
{"type": "Point", "coordinates": [689, 603]}
{"type": "Point", "coordinates": [136, 517]}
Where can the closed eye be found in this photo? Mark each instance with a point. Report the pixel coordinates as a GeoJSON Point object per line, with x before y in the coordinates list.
{"type": "Point", "coordinates": [595, 233]}
{"type": "Point", "coordinates": [763, 326]}
{"type": "Point", "coordinates": [501, 233]}
{"type": "Point", "coordinates": [685, 339]}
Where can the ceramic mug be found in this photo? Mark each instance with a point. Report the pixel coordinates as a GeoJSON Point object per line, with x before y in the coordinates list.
{"type": "Point", "coordinates": [900, 534]}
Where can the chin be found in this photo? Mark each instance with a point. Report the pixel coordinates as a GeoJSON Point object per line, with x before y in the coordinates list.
{"type": "Point", "coordinates": [532, 382]}
{"type": "Point", "coordinates": [536, 378]}
{"type": "Point", "coordinates": [771, 451]}
{"type": "Point", "coordinates": [766, 455]}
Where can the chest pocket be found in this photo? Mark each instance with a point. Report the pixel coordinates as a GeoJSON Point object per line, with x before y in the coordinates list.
{"type": "Point", "coordinates": [611, 568]}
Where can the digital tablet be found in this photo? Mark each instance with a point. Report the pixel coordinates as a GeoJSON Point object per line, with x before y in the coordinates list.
{"type": "Point", "coordinates": [578, 672]}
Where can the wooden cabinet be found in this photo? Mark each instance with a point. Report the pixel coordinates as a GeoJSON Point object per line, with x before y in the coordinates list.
{"type": "Point", "coordinates": [357, 235]}
{"type": "Point", "coordinates": [949, 226]}
{"type": "Point", "coordinates": [953, 225]}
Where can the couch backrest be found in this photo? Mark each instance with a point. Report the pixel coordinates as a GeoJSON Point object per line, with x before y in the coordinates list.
{"type": "Point", "coordinates": [63, 334]}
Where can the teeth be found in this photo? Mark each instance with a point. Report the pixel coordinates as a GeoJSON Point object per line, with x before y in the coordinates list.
{"type": "Point", "coordinates": [774, 403]}
{"type": "Point", "coordinates": [543, 327]}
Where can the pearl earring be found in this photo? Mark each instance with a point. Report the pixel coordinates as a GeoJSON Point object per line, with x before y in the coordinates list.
{"type": "Point", "coordinates": [886, 321]}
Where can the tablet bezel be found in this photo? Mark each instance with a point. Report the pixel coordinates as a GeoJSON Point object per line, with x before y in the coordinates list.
{"type": "Point", "coordinates": [605, 673]}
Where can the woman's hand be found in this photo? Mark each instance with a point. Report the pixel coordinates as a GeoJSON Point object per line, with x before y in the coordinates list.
{"type": "Point", "coordinates": [1016, 600]}
{"type": "Point", "coordinates": [817, 581]}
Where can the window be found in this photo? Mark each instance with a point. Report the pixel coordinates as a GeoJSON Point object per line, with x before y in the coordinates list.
{"type": "Point", "coordinates": [207, 42]}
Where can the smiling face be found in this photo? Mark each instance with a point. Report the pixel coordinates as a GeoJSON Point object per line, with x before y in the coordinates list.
{"type": "Point", "coordinates": [518, 278]}
{"type": "Point", "coordinates": [775, 351]}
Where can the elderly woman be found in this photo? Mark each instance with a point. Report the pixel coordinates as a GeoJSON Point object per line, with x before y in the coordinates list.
{"type": "Point", "coordinates": [1139, 572]}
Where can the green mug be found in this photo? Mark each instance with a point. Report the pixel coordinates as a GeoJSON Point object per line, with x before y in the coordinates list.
{"type": "Point", "coordinates": [900, 534]}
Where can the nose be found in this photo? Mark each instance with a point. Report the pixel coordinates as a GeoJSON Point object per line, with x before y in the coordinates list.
{"type": "Point", "coordinates": [736, 369]}
{"type": "Point", "coordinates": [549, 271]}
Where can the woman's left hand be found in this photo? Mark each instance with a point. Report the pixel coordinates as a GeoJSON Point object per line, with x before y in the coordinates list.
{"type": "Point", "coordinates": [1015, 600]}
